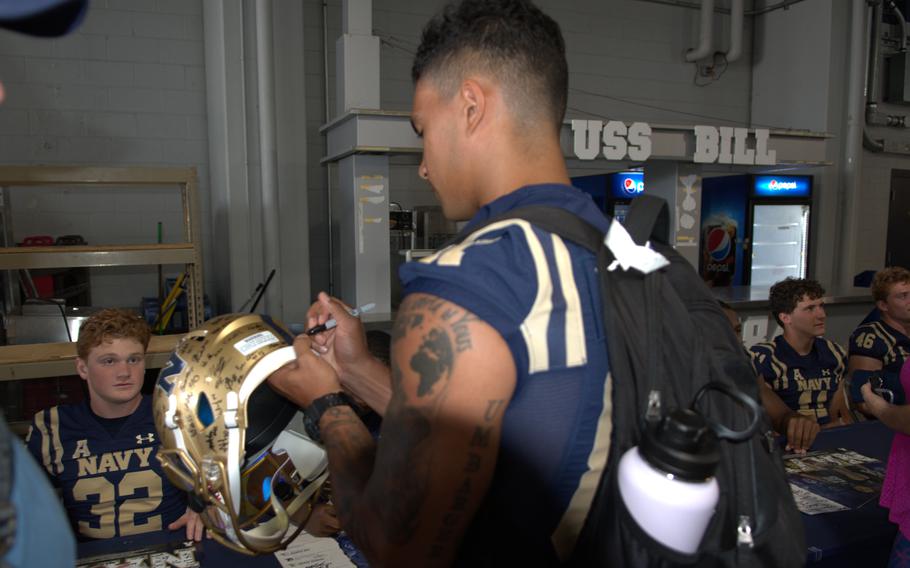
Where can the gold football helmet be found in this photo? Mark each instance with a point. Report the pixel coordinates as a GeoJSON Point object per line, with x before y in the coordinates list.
{"type": "Point", "coordinates": [225, 436]}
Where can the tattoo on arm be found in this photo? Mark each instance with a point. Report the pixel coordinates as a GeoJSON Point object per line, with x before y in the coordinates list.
{"type": "Point", "coordinates": [351, 452]}
{"type": "Point", "coordinates": [455, 514]}
{"type": "Point", "coordinates": [433, 360]}
{"type": "Point", "coordinates": [399, 479]}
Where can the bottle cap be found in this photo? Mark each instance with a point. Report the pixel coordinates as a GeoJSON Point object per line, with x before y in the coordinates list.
{"type": "Point", "coordinates": [682, 444]}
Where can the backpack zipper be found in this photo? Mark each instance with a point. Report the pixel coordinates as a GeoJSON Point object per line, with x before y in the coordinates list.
{"type": "Point", "coordinates": [744, 532]}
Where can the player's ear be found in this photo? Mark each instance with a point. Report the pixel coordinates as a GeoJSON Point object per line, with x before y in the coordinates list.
{"type": "Point", "coordinates": [474, 103]}
{"type": "Point", "coordinates": [882, 306]}
{"type": "Point", "coordinates": [82, 368]}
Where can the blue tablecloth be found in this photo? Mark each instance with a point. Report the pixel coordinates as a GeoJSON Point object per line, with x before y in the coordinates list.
{"type": "Point", "coordinates": [858, 537]}
{"type": "Point", "coordinates": [208, 552]}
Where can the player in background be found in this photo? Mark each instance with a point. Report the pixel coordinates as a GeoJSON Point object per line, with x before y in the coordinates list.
{"type": "Point", "coordinates": [101, 453]}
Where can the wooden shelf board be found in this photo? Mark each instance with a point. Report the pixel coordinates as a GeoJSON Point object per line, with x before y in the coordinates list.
{"type": "Point", "coordinates": [37, 360]}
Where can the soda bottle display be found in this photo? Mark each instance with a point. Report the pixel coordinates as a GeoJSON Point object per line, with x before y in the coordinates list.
{"type": "Point", "coordinates": [718, 245]}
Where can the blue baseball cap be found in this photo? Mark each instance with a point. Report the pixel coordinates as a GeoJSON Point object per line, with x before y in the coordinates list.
{"type": "Point", "coordinates": [46, 18]}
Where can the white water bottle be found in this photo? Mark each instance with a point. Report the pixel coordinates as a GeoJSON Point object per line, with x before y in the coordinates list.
{"type": "Point", "coordinates": [667, 483]}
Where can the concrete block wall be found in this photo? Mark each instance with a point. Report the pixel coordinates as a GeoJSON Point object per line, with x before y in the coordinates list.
{"type": "Point", "coordinates": [127, 88]}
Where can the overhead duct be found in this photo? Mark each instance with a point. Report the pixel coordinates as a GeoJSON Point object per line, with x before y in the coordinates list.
{"type": "Point", "coordinates": [901, 21]}
{"type": "Point", "coordinates": [871, 88]}
{"type": "Point", "coordinates": [737, 16]}
{"type": "Point", "coordinates": [705, 32]}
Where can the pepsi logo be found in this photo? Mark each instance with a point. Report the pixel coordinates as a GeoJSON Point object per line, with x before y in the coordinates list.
{"type": "Point", "coordinates": [631, 187]}
{"type": "Point", "coordinates": [781, 185]}
{"type": "Point", "coordinates": [718, 243]}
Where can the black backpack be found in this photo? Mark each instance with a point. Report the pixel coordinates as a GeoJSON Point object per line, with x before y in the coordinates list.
{"type": "Point", "coordinates": [667, 333]}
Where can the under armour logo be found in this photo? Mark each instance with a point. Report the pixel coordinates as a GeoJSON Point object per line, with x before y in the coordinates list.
{"type": "Point", "coordinates": [140, 439]}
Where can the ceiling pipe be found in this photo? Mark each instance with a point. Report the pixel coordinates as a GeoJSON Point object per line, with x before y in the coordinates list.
{"type": "Point", "coordinates": [850, 166]}
{"type": "Point", "coordinates": [779, 6]}
{"type": "Point", "coordinates": [326, 116]}
{"type": "Point", "coordinates": [268, 155]}
{"type": "Point", "coordinates": [901, 21]}
{"type": "Point", "coordinates": [871, 89]}
{"type": "Point", "coordinates": [784, 4]}
{"type": "Point", "coordinates": [737, 16]}
{"type": "Point", "coordinates": [705, 32]}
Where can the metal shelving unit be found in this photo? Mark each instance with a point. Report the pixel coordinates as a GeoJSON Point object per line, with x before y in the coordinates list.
{"type": "Point", "coordinates": [41, 360]}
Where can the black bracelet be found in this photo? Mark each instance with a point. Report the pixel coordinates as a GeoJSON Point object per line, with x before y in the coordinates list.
{"type": "Point", "coordinates": [313, 413]}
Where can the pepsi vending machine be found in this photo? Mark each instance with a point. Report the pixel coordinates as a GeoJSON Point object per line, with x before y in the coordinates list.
{"type": "Point", "coordinates": [779, 215]}
{"type": "Point", "coordinates": [755, 229]}
{"type": "Point", "coordinates": [612, 192]}
{"type": "Point", "coordinates": [622, 188]}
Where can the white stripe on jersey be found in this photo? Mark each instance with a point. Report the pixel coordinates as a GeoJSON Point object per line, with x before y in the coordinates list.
{"type": "Point", "coordinates": [569, 528]}
{"type": "Point", "coordinates": [41, 423]}
{"type": "Point", "coordinates": [55, 438]}
{"type": "Point", "coordinates": [576, 352]}
{"type": "Point", "coordinates": [535, 325]}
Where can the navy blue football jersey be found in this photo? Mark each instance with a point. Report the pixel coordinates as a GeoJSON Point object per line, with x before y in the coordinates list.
{"type": "Point", "coordinates": [112, 486]}
{"type": "Point", "coordinates": [542, 294]}
{"type": "Point", "coordinates": [878, 340]}
{"type": "Point", "coordinates": [806, 383]}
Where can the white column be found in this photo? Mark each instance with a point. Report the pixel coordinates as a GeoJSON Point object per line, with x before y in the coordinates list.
{"type": "Point", "coordinates": [249, 210]}
{"type": "Point", "coordinates": [361, 203]}
{"type": "Point", "coordinates": [231, 273]}
{"type": "Point", "coordinates": [362, 222]}
{"type": "Point", "coordinates": [682, 190]}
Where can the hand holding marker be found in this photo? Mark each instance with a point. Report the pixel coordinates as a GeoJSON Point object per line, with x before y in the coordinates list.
{"type": "Point", "coordinates": [332, 323]}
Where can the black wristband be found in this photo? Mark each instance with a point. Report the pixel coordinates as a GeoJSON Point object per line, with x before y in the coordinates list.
{"type": "Point", "coordinates": [313, 413]}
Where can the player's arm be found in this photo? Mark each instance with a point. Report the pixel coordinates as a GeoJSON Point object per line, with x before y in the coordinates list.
{"type": "Point", "coordinates": [862, 363]}
{"type": "Point", "coordinates": [800, 430]}
{"type": "Point", "coordinates": [838, 406]}
{"type": "Point", "coordinates": [867, 350]}
{"type": "Point", "coordinates": [452, 378]}
{"type": "Point", "coordinates": [896, 417]}
{"type": "Point", "coordinates": [408, 501]}
{"type": "Point", "coordinates": [344, 347]}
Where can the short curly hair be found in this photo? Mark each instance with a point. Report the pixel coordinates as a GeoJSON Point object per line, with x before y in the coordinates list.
{"type": "Point", "coordinates": [884, 279]}
{"type": "Point", "coordinates": [112, 323]}
{"type": "Point", "coordinates": [787, 293]}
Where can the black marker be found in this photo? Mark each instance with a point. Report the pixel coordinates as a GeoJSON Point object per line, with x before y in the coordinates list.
{"type": "Point", "coordinates": [332, 323]}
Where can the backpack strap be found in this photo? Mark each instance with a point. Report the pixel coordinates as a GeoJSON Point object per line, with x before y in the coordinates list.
{"type": "Point", "coordinates": [551, 219]}
{"type": "Point", "coordinates": [648, 219]}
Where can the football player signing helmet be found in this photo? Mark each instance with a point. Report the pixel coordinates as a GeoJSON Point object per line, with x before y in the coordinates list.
{"type": "Point", "coordinates": [225, 436]}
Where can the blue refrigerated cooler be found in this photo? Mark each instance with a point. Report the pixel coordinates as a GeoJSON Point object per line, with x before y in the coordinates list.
{"type": "Point", "coordinates": [754, 229]}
